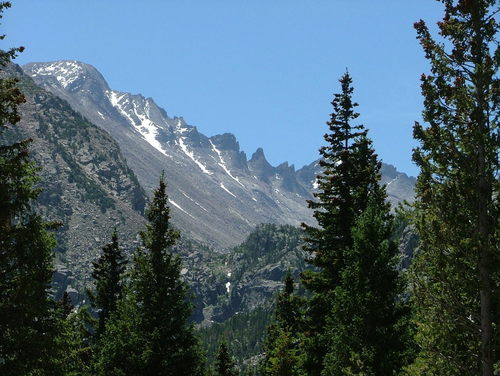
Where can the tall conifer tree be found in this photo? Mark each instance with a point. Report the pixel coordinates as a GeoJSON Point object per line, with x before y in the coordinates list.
{"type": "Point", "coordinates": [107, 273]}
{"type": "Point", "coordinates": [28, 323]}
{"type": "Point", "coordinates": [282, 347]}
{"type": "Point", "coordinates": [456, 275]}
{"type": "Point", "coordinates": [340, 198]}
{"type": "Point", "coordinates": [349, 197]}
{"type": "Point", "coordinates": [225, 365]}
{"type": "Point", "coordinates": [368, 322]}
{"type": "Point", "coordinates": [150, 334]}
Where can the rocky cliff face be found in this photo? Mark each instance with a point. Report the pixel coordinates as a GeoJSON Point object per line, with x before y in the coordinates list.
{"type": "Point", "coordinates": [87, 185]}
{"type": "Point", "coordinates": [217, 195]}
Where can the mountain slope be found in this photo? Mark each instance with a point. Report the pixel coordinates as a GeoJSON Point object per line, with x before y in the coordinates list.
{"type": "Point", "coordinates": [217, 195]}
{"type": "Point", "coordinates": [87, 185]}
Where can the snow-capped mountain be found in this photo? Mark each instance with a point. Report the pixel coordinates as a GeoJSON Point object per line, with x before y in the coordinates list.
{"type": "Point", "coordinates": [217, 195]}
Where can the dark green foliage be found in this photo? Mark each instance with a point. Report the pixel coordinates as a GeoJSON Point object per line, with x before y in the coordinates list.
{"type": "Point", "coordinates": [367, 325]}
{"type": "Point", "coordinates": [261, 260]}
{"type": "Point", "coordinates": [149, 333]}
{"type": "Point", "coordinates": [76, 343]}
{"type": "Point", "coordinates": [244, 332]}
{"type": "Point", "coordinates": [343, 188]}
{"type": "Point", "coordinates": [225, 364]}
{"type": "Point", "coordinates": [268, 244]}
{"type": "Point", "coordinates": [28, 320]}
{"type": "Point", "coordinates": [282, 349]}
{"type": "Point", "coordinates": [107, 274]}
{"type": "Point", "coordinates": [456, 275]}
{"type": "Point", "coordinates": [355, 286]}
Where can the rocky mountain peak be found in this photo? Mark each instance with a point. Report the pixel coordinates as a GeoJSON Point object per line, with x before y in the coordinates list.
{"type": "Point", "coordinates": [226, 141]}
{"type": "Point", "coordinates": [72, 75]}
{"type": "Point", "coordinates": [259, 165]}
{"type": "Point", "coordinates": [216, 194]}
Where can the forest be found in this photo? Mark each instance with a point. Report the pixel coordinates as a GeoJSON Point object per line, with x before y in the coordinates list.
{"type": "Point", "coordinates": [351, 309]}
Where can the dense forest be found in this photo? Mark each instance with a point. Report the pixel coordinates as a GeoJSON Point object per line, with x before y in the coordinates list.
{"type": "Point", "coordinates": [348, 304]}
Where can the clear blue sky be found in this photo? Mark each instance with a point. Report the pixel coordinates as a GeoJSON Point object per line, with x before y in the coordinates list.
{"type": "Point", "coordinates": [263, 70]}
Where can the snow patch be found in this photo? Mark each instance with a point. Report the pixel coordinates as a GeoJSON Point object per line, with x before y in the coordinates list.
{"type": "Point", "coordinates": [146, 128]}
{"type": "Point", "coordinates": [315, 184]}
{"type": "Point", "coordinates": [392, 181]}
{"type": "Point", "coordinates": [180, 128]}
{"type": "Point", "coordinates": [180, 208]}
{"type": "Point", "coordinates": [190, 154]}
{"type": "Point", "coordinates": [228, 285]}
{"type": "Point", "coordinates": [227, 190]}
{"type": "Point", "coordinates": [65, 72]}
{"type": "Point", "coordinates": [223, 164]}
{"type": "Point", "coordinates": [229, 274]}
{"type": "Point", "coordinates": [193, 201]}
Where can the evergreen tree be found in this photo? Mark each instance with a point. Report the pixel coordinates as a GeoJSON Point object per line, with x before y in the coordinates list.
{"type": "Point", "coordinates": [225, 364]}
{"type": "Point", "coordinates": [75, 339]}
{"type": "Point", "coordinates": [28, 320]}
{"type": "Point", "coordinates": [107, 273]}
{"type": "Point", "coordinates": [349, 190]}
{"type": "Point", "coordinates": [366, 326]}
{"type": "Point", "coordinates": [456, 275]}
{"type": "Point", "coordinates": [340, 198]}
{"type": "Point", "coordinates": [282, 352]}
{"type": "Point", "coordinates": [149, 333]}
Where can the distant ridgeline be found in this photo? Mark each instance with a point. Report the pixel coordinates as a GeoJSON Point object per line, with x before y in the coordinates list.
{"type": "Point", "coordinates": [217, 195]}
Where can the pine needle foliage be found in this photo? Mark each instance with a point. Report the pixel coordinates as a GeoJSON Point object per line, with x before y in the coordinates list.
{"type": "Point", "coordinates": [107, 274]}
{"type": "Point", "coordinates": [283, 355]}
{"type": "Point", "coordinates": [355, 288]}
{"type": "Point", "coordinates": [149, 334]}
{"type": "Point", "coordinates": [456, 275]}
{"type": "Point", "coordinates": [225, 364]}
{"type": "Point", "coordinates": [28, 320]}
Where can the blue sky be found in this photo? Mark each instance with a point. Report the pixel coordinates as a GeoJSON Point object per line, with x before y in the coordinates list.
{"type": "Point", "coordinates": [263, 70]}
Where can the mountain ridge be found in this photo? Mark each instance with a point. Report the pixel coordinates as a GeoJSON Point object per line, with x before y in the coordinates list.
{"type": "Point", "coordinates": [217, 195]}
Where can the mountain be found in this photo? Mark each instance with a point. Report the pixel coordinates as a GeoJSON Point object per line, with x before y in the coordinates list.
{"type": "Point", "coordinates": [88, 187]}
{"type": "Point", "coordinates": [86, 183]}
{"type": "Point", "coordinates": [217, 194]}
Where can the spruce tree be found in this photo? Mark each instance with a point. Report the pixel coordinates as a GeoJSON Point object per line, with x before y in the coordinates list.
{"type": "Point", "coordinates": [225, 365]}
{"type": "Point", "coordinates": [366, 326]}
{"type": "Point", "coordinates": [338, 201]}
{"type": "Point", "coordinates": [107, 274]}
{"type": "Point", "coordinates": [282, 347]}
{"type": "Point", "coordinates": [456, 275]}
{"type": "Point", "coordinates": [348, 186]}
{"type": "Point", "coordinates": [28, 320]}
{"type": "Point", "coordinates": [149, 333]}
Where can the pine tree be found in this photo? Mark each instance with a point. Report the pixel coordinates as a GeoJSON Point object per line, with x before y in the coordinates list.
{"type": "Point", "coordinates": [456, 275]}
{"type": "Point", "coordinates": [28, 320]}
{"type": "Point", "coordinates": [75, 339]}
{"type": "Point", "coordinates": [107, 273]}
{"type": "Point", "coordinates": [341, 196]}
{"type": "Point", "coordinates": [149, 333]}
{"type": "Point", "coordinates": [349, 198]}
{"type": "Point", "coordinates": [366, 326]}
{"type": "Point", "coordinates": [282, 347]}
{"type": "Point", "coordinates": [225, 364]}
